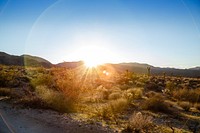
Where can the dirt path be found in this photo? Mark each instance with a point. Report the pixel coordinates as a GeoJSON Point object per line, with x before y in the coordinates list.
{"type": "Point", "coordinates": [3, 126]}
{"type": "Point", "coordinates": [43, 121]}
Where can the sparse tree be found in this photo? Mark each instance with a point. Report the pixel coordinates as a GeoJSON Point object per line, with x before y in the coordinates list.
{"type": "Point", "coordinates": [164, 75]}
{"type": "Point", "coordinates": [149, 71]}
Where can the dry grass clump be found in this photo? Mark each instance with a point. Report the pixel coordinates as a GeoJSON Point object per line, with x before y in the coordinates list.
{"type": "Point", "coordinates": [139, 122]}
{"type": "Point", "coordinates": [197, 106]}
{"type": "Point", "coordinates": [185, 105]}
{"type": "Point", "coordinates": [156, 104]}
{"type": "Point", "coordinates": [33, 102]}
{"type": "Point", "coordinates": [57, 100]}
{"type": "Point", "coordinates": [115, 89]}
{"type": "Point", "coordinates": [43, 79]}
{"type": "Point", "coordinates": [151, 86]}
{"type": "Point", "coordinates": [192, 96]}
{"type": "Point", "coordinates": [136, 92]}
{"type": "Point", "coordinates": [109, 110]}
{"type": "Point", "coordinates": [119, 105]}
{"type": "Point", "coordinates": [103, 112]}
{"type": "Point", "coordinates": [5, 92]}
{"type": "Point", "coordinates": [10, 93]}
{"type": "Point", "coordinates": [170, 85]}
{"type": "Point", "coordinates": [114, 96]}
{"type": "Point", "coordinates": [104, 94]}
{"type": "Point", "coordinates": [132, 94]}
{"type": "Point", "coordinates": [151, 94]}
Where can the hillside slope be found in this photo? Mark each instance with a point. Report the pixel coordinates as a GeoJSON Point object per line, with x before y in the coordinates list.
{"type": "Point", "coordinates": [23, 60]}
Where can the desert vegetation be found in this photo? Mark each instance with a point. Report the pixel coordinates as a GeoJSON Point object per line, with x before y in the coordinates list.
{"type": "Point", "coordinates": [126, 101]}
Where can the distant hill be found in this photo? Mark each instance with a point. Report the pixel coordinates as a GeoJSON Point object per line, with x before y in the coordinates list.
{"type": "Point", "coordinates": [28, 60]}
{"type": "Point", "coordinates": [133, 67]}
{"type": "Point", "coordinates": [195, 68]}
{"type": "Point", "coordinates": [70, 64]}
{"type": "Point", "coordinates": [142, 69]}
{"type": "Point", "coordinates": [23, 60]}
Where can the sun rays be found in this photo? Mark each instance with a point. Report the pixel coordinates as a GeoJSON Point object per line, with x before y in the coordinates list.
{"type": "Point", "coordinates": [90, 76]}
{"type": "Point", "coordinates": [94, 55]}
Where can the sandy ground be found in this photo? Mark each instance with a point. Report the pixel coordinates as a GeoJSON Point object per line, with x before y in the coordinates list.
{"type": "Point", "coordinates": [43, 121]}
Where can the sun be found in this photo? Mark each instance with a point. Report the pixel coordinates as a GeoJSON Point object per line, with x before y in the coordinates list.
{"type": "Point", "coordinates": [94, 55]}
{"type": "Point", "coordinates": [91, 63]}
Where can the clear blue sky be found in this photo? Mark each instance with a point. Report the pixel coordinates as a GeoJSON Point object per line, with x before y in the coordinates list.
{"type": "Point", "coordinates": [162, 33]}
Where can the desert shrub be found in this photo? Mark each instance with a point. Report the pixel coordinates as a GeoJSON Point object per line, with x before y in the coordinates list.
{"type": "Point", "coordinates": [56, 100]}
{"type": "Point", "coordinates": [33, 102]}
{"type": "Point", "coordinates": [153, 87]}
{"type": "Point", "coordinates": [180, 94]}
{"type": "Point", "coordinates": [104, 94]}
{"type": "Point", "coordinates": [10, 93]}
{"type": "Point", "coordinates": [143, 79]}
{"type": "Point", "coordinates": [156, 104]}
{"type": "Point", "coordinates": [125, 77]}
{"type": "Point", "coordinates": [67, 82]}
{"type": "Point", "coordinates": [115, 89]}
{"type": "Point", "coordinates": [185, 105]}
{"type": "Point", "coordinates": [5, 92]}
{"type": "Point", "coordinates": [114, 96]}
{"type": "Point", "coordinates": [136, 92]}
{"type": "Point", "coordinates": [5, 78]}
{"type": "Point", "coordinates": [12, 77]}
{"type": "Point", "coordinates": [40, 69]}
{"type": "Point", "coordinates": [104, 112]}
{"type": "Point", "coordinates": [197, 106]}
{"type": "Point", "coordinates": [43, 79]}
{"type": "Point", "coordinates": [118, 105]}
{"type": "Point", "coordinates": [128, 96]}
{"type": "Point", "coordinates": [193, 83]}
{"type": "Point", "coordinates": [124, 87]}
{"type": "Point", "coordinates": [109, 110]}
{"type": "Point", "coordinates": [139, 122]}
{"type": "Point", "coordinates": [187, 95]}
{"type": "Point", "coordinates": [195, 95]}
{"type": "Point", "coordinates": [170, 86]}
{"type": "Point", "coordinates": [139, 84]}
{"type": "Point", "coordinates": [150, 94]}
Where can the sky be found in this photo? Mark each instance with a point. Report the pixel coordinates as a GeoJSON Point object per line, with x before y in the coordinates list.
{"type": "Point", "coordinates": [163, 33]}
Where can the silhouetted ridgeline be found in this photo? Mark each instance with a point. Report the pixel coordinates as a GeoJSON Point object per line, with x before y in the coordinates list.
{"type": "Point", "coordinates": [142, 69]}
{"type": "Point", "coordinates": [34, 61]}
{"type": "Point", "coordinates": [70, 64]}
{"type": "Point", "coordinates": [23, 60]}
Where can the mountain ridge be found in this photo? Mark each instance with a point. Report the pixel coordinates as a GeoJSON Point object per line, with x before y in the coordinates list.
{"type": "Point", "coordinates": [23, 60]}
{"type": "Point", "coordinates": [141, 68]}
